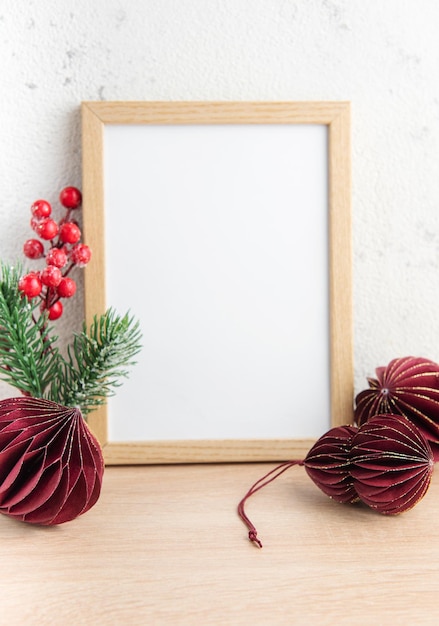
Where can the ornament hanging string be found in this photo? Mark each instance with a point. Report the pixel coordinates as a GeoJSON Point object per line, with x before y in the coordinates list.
{"type": "Point", "coordinates": [259, 484]}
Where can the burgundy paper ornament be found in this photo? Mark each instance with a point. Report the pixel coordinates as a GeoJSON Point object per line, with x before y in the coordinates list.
{"type": "Point", "coordinates": [386, 463]}
{"type": "Point", "coordinates": [391, 464]}
{"type": "Point", "coordinates": [407, 386]}
{"type": "Point", "coordinates": [51, 466]}
{"type": "Point", "coordinates": [328, 464]}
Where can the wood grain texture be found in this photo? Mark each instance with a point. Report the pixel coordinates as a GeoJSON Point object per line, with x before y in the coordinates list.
{"type": "Point", "coordinates": [216, 112]}
{"type": "Point", "coordinates": [340, 263]}
{"type": "Point", "coordinates": [164, 546]}
{"type": "Point", "coordinates": [336, 115]}
{"type": "Point", "coordinates": [94, 229]}
{"type": "Point", "coordinates": [205, 451]}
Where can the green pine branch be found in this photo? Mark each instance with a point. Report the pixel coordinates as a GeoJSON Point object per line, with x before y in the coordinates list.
{"type": "Point", "coordinates": [97, 361]}
{"type": "Point", "coordinates": [28, 358]}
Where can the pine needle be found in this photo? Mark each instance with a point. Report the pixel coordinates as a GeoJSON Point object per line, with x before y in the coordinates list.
{"type": "Point", "coordinates": [28, 357]}
{"type": "Point", "coordinates": [97, 361]}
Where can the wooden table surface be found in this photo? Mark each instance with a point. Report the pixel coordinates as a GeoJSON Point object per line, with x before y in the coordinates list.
{"type": "Point", "coordinates": [164, 545]}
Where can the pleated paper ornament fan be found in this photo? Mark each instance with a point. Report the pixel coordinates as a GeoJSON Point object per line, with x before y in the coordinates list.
{"type": "Point", "coordinates": [407, 386]}
{"type": "Point", "coordinates": [391, 464]}
{"type": "Point", "coordinates": [51, 466]}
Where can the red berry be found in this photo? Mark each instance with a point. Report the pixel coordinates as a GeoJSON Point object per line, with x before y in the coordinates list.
{"type": "Point", "coordinates": [35, 224]}
{"type": "Point", "coordinates": [81, 254]}
{"type": "Point", "coordinates": [56, 257]}
{"type": "Point", "coordinates": [47, 229]}
{"type": "Point", "coordinates": [69, 232]}
{"type": "Point", "coordinates": [51, 276]}
{"type": "Point", "coordinates": [70, 197]}
{"type": "Point", "coordinates": [30, 285]}
{"type": "Point", "coordinates": [55, 311]}
{"type": "Point", "coordinates": [66, 288]}
{"type": "Point", "coordinates": [41, 209]}
{"type": "Point", "coordinates": [33, 249]}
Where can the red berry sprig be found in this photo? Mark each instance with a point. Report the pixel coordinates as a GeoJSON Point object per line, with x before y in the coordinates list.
{"type": "Point", "coordinates": [64, 252]}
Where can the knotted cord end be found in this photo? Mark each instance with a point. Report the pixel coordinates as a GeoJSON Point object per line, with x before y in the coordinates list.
{"type": "Point", "coordinates": [253, 536]}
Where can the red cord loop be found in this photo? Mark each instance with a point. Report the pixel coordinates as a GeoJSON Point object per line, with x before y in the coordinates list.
{"type": "Point", "coordinates": [262, 482]}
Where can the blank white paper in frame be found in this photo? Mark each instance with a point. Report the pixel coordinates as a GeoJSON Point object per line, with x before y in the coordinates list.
{"type": "Point", "coordinates": [216, 239]}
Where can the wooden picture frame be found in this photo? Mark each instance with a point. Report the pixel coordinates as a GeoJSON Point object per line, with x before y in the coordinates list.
{"type": "Point", "coordinates": [100, 120]}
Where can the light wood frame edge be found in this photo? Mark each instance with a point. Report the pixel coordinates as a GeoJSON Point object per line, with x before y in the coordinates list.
{"type": "Point", "coordinates": [336, 115]}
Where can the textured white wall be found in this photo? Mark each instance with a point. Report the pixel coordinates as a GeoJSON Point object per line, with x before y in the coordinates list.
{"type": "Point", "coordinates": [382, 55]}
